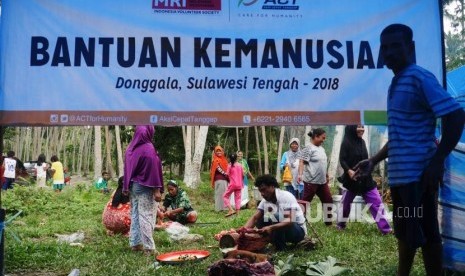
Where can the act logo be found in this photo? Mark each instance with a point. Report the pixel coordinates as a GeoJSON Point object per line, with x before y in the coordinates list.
{"type": "Point", "coordinates": [272, 4]}
{"type": "Point", "coordinates": [246, 2]}
{"type": "Point", "coordinates": [280, 5]}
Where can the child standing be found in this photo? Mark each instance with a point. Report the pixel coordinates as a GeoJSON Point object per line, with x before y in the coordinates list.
{"type": "Point", "coordinates": [9, 164]}
{"type": "Point", "coordinates": [236, 183]}
{"type": "Point", "coordinates": [41, 171]}
{"type": "Point", "coordinates": [57, 174]}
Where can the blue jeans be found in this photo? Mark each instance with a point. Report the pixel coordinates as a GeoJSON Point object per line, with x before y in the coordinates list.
{"type": "Point", "coordinates": [291, 190]}
{"type": "Point", "coordinates": [300, 191]}
{"type": "Point", "coordinates": [8, 183]}
{"type": "Point", "coordinates": [279, 237]}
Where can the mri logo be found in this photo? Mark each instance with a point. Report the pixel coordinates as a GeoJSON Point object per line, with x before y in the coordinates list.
{"type": "Point", "coordinates": [272, 4]}
{"type": "Point", "coordinates": [206, 5]}
{"type": "Point", "coordinates": [169, 4]}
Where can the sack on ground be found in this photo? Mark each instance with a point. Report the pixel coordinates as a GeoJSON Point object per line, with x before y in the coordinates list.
{"type": "Point", "coordinates": [177, 231]}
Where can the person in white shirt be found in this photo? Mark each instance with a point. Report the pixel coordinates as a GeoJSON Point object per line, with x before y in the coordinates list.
{"type": "Point", "coordinates": [41, 171]}
{"type": "Point", "coordinates": [312, 172]}
{"type": "Point", "coordinates": [9, 164]}
{"type": "Point", "coordinates": [278, 214]}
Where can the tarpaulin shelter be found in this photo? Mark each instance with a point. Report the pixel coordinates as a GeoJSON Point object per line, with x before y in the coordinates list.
{"type": "Point", "coordinates": [452, 195]}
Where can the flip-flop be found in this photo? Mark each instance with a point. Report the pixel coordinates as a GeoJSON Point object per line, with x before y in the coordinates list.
{"type": "Point", "coordinates": [229, 214]}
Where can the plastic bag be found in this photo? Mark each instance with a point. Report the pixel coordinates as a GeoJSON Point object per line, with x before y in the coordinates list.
{"type": "Point", "coordinates": [72, 238]}
{"type": "Point", "coordinates": [287, 175]}
{"type": "Point", "coordinates": [177, 231]}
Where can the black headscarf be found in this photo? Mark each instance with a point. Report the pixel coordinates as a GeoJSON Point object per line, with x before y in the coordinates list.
{"type": "Point", "coordinates": [118, 197]}
{"type": "Point", "coordinates": [354, 150]}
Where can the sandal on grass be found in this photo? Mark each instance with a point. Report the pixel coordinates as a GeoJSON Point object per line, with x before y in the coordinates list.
{"type": "Point", "coordinates": [229, 214]}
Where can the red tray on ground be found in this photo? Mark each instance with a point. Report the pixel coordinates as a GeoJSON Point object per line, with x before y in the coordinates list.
{"type": "Point", "coordinates": [178, 257]}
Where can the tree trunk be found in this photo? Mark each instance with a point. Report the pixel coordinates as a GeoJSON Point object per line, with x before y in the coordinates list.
{"type": "Point", "coordinates": [187, 139]}
{"type": "Point", "coordinates": [280, 150]}
{"type": "Point", "coordinates": [196, 136]}
{"type": "Point", "coordinates": [27, 141]}
{"type": "Point", "coordinates": [47, 142]}
{"type": "Point", "coordinates": [307, 138]}
{"type": "Point", "coordinates": [97, 152]}
{"type": "Point", "coordinates": [18, 146]}
{"type": "Point", "coordinates": [237, 140]}
{"type": "Point", "coordinates": [108, 146]}
{"type": "Point", "coordinates": [60, 149]}
{"type": "Point", "coordinates": [367, 137]}
{"type": "Point", "coordinates": [246, 153]}
{"type": "Point", "coordinates": [80, 154]}
{"type": "Point", "coordinates": [82, 150]}
{"type": "Point", "coordinates": [334, 158]}
{"type": "Point", "coordinates": [184, 142]}
{"type": "Point", "coordinates": [2, 143]}
{"type": "Point", "coordinates": [192, 170]}
{"type": "Point", "coordinates": [382, 164]}
{"type": "Point", "coordinates": [40, 140]}
{"type": "Point", "coordinates": [73, 153]}
{"type": "Point", "coordinates": [184, 135]}
{"type": "Point", "coordinates": [35, 149]}
{"type": "Point", "coordinates": [119, 152]}
{"type": "Point", "coordinates": [90, 153]}
{"type": "Point", "coordinates": [265, 150]}
{"type": "Point", "coordinates": [257, 140]}
{"type": "Point", "coordinates": [54, 142]}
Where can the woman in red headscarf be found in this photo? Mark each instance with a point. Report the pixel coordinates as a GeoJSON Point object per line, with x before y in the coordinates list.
{"type": "Point", "coordinates": [219, 177]}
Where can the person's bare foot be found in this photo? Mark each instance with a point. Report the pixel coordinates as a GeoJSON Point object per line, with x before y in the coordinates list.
{"type": "Point", "coordinates": [138, 247]}
{"type": "Point", "coordinates": [150, 252]}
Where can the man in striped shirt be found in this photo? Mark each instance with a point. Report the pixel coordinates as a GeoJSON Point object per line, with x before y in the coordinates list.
{"type": "Point", "coordinates": [416, 163]}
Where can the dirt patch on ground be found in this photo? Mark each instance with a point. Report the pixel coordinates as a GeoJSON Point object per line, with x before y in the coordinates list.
{"type": "Point", "coordinates": [76, 179]}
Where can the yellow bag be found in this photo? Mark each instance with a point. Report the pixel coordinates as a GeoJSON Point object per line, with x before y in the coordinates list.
{"type": "Point", "coordinates": [287, 175]}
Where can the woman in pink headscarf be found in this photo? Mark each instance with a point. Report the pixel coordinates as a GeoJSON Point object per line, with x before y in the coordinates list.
{"type": "Point", "coordinates": [143, 178]}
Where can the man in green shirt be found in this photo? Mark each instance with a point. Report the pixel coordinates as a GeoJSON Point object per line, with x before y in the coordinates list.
{"type": "Point", "coordinates": [102, 183]}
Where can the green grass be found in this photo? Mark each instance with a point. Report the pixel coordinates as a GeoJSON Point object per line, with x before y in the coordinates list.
{"type": "Point", "coordinates": [360, 247]}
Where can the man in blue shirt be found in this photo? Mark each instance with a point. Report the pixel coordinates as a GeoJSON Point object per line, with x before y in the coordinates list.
{"type": "Point", "coordinates": [416, 162]}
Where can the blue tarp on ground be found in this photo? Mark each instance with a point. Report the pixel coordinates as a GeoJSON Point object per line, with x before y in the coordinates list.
{"type": "Point", "coordinates": [452, 195]}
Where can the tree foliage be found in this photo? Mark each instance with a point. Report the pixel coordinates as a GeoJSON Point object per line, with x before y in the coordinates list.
{"type": "Point", "coordinates": [454, 10]}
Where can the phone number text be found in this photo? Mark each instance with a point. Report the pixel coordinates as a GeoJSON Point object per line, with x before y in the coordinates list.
{"type": "Point", "coordinates": [281, 119]}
